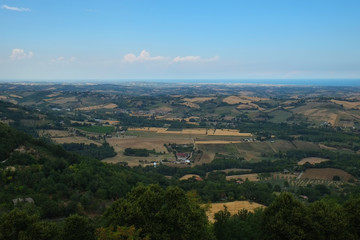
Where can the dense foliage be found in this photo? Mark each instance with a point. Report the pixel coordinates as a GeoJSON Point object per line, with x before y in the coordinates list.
{"type": "Point", "coordinates": [91, 150]}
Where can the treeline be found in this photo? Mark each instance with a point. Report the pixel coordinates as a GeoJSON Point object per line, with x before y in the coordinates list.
{"type": "Point", "coordinates": [288, 218]}
{"type": "Point", "coordinates": [138, 152]}
{"type": "Point", "coordinates": [152, 212]}
{"type": "Point", "coordinates": [91, 150]}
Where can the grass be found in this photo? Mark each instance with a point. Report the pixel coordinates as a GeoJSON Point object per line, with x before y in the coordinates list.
{"type": "Point", "coordinates": [279, 116]}
{"type": "Point", "coordinates": [97, 129]}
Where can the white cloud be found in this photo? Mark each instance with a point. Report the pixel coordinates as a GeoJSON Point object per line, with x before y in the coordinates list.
{"type": "Point", "coordinates": [18, 54]}
{"type": "Point", "coordinates": [62, 59]}
{"type": "Point", "coordinates": [144, 56]}
{"type": "Point", "coordinates": [16, 8]}
{"type": "Point", "coordinates": [194, 59]}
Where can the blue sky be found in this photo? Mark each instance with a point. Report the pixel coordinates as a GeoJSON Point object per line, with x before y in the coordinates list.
{"type": "Point", "coordinates": [179, 39]}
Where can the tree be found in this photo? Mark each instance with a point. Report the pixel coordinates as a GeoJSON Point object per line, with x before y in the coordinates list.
{"type": "Point", "coordinates": [124, 233]}
{"type": "Point", "coordinates": [244, 225]}
{"type": "Point", "coordinates": [161, 214]}
{"type": "Point", "coordinates": [14, 224]}
{"type": "Point", "coordinates": [78, 228]}
{"type": "Point", "coordinates": [352, 210]}
{"type": "Point", "coordinates": [328, 221]}
{"type": "Point", "coordinates": [285, 218]}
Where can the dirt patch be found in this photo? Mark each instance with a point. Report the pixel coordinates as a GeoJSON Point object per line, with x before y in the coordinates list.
{"type": "Point", "coordinates": [233, 208]}
{"type": "Point", "coordinates": [312, 160]}
{"type": "Point", "coordinates": [326, 174]}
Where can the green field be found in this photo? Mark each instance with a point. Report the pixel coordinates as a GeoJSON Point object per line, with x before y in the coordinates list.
{"type": "Point", "coordinates": [97, 129]}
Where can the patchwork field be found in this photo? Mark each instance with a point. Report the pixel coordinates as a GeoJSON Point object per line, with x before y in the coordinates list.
{"type": "Point", "coordinates": [150, 143]}
{"type": "Point", "coordinates": [233, 208]}
{"type": "Point", "coordinates": [194, 131]}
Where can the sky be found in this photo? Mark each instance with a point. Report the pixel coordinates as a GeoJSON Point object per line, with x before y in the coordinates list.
{"type": "Point", "coordinates": [179, 39]}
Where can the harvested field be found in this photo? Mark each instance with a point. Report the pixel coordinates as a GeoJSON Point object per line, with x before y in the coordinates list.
{"type": "Point", "coordinates": [234, 170]}
{"type": "Point", "coordinates": [84, 140]}
{"type": "Point", "coordinates": [242, 99]}
{"type": "Point", "coordinates": [135, 161]}
{"type": "Point", "coordinates": [206, 157]}
{"type": "Point", "coordinates": [216, 142]}
{"type": "Point", "coordinates": [322, 146]}
{"type": "Point", "coordinates": [120, 144]}
{"type": "Point", "coordinates": [248, 106]}
{"type": "Point", "coordinates": [326, 174]}
{"type": "Point", "coordinates": [110, 122]}
{"type": "Point", "coordinates": [198, 99]}
{"type": "Point", "coordinates": [190, 105]}
{"type": "Point", "coordinates": [306, 145]}
{"type": "Point", "coordinates": [15, 96]}
{"type": "Point", "coordinates": [53, 95]}
{"type": "Point", "coordinates": [164, 109]}
{"type": "Point", "coordinates": [233, 208]}
{"type": "Point", "coordinates": [53, 133]}
{"type": "Point", "coordinates": [228, 132]}
{"type": "Point", "coordinates": [235, 100]}
{"type": "Point", "coordinates": [195, 131]}
{"type": "Point", "coordinates": [312, 160]}
{"type": "Point", "coordinates": [346, 104]}
{"type": "Point", "coordinates": [103, 106]}
{"type": "Point", "coordinates": [189, 176]}
{"type": "Point", "coordinates": [62, 100]}
{"type": "Point", "coordinates": [252, 177]}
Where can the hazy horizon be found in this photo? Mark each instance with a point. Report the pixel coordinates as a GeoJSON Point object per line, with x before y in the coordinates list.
{"type": "Point", "coordinates": [300, 82]}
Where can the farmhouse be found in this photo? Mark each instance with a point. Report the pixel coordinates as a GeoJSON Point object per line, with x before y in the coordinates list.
{"type": "Point", "coordinates": [183, 158]}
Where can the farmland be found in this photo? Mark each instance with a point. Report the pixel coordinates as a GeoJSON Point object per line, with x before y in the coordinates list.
{"type": "Point", "coordinates": [233, 207]}
{"type": "Point", "coordinates": [326, 174]}
{"type": "Point", "coordinates": [221, 134]}
{"type": "Point", "coordinates": [97, 129]}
